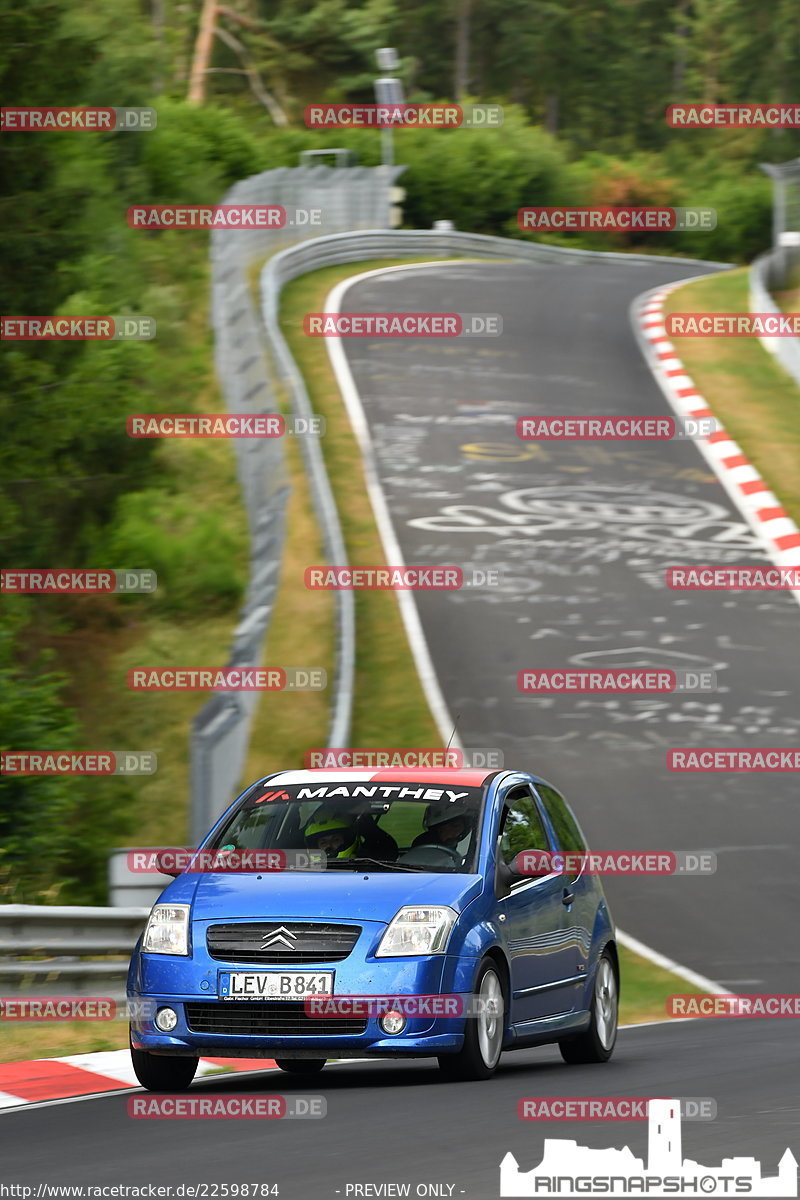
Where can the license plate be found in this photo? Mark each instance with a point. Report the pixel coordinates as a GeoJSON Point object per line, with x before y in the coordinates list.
{"type": "Point", "coordinates": [274, 985]}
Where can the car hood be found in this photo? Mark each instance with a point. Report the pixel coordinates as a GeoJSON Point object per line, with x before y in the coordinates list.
{"type": "Point", "coordinates": [343, 895]}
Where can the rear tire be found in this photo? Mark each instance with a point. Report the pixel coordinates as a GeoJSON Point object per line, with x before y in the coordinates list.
{"type": "Point", "coordinates": [483, 1034]}
{"type": "Point", "coordinates": [597, 1043]}
{"type": "Point", "coordinates": [301, 1066]}
{"type": "Point", "coordinates": [163, 1072]}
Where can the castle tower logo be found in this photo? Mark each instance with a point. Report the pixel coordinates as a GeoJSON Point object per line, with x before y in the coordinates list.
{"type": "Point", "coordinates": [568, 1169]}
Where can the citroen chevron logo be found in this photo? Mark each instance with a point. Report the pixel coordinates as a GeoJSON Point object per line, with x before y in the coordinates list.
{"type": "Point", "coordinates": [278, 937]}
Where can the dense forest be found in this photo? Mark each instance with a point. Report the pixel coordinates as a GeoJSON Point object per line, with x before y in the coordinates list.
{"type": "Point", "coordinates": [585, 85]}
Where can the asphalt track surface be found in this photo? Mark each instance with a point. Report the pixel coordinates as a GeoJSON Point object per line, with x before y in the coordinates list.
{"type": "Point", "coordinates": [583, 532]}
{"type": "Point", "coordinates": [583, 547]}
{"type": "Point", "coordinates": [400, 1123]}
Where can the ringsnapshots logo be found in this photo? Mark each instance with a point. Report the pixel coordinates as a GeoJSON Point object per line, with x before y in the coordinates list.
{"type": "Point", "coordinates": [62, 581]}
{"type": "Point", "coordinates": [605, 218]}
{"type": "Point", "coordinates": [402, 324]}
{"type": "Point", "coordinates": [37, 120]}
{"type": "Point", "coordinates": [78, 762]}
{"type": "Point", "coordinates": [615, 681]}
{"type": "Point", "coordinates": [227, 679]}
{"type": "Point", "coordinates": [77, 329]}
{"type": "Point", "coordinates": [226, 1108]}
{"type": "Point", "coordinates": [567, 1169]}
{"type": "Point", "coordinates": [614, 428]}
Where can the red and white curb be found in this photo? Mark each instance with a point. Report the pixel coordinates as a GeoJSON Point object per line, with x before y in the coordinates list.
{"type": "Point", "coordinates": [759, 506]}
{"type": "Point", "coordinates": [77, 1075]}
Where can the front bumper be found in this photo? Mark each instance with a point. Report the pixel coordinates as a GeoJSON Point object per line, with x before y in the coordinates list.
{"type": "Point", "coordinates": [190, 986]}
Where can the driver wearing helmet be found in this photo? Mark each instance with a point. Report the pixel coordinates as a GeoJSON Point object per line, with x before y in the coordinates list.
{"type": "Point", "coordinates": [332, 832]}
{"type": "Point", "coordinates": [446, 824]}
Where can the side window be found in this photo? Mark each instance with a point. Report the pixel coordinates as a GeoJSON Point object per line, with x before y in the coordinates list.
{"type": "Point", "coordinates": [566, 827]}
{"type": "Point", "coordinates": [522, 827]}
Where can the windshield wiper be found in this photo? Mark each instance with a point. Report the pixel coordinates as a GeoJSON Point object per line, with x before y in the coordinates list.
{"type": "Point", "coordinates": [375, 862]}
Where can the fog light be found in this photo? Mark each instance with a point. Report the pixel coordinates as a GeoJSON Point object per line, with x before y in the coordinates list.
{"type": "Point", "coordinates": [392, 1022]}
{"type": "Point", "coordinates": [166, 1019]}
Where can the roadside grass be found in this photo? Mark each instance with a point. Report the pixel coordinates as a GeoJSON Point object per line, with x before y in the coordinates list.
{"type": "Point", "coordinates": [645, 988]}
{"type": "Point", "coordinates": [756, 401]}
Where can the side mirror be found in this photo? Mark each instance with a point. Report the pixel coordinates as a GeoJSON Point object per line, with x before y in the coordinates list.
{"type": "Point", "coordinates": [167, 863]}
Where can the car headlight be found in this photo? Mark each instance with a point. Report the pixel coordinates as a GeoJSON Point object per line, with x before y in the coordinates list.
{"type": "Point", "coordinates": [167, 930]}
{"type": "Point", "coordinates": [417, 931]}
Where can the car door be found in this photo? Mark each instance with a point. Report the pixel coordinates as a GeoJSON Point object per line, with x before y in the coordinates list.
{"type": "Point", "coordinates": [582, 911]}
{"type": "Point", "coordinates": [534, 918]}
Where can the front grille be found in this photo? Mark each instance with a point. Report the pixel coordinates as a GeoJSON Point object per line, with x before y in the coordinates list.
{"type": "Point", "coordinates": [307, 943]}
{"type": "Point", "coordinates": [263, 1018]}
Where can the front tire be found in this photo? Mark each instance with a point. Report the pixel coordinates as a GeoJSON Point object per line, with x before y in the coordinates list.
{"type": "Point", "coordinates": [301, 1066]}
{"type": "Point", "coordinates": [483, 1035]}
{"type": "Point", "coordinates": [597, 1043]}
{"type": "Point", "coordinates": [163, 1072]}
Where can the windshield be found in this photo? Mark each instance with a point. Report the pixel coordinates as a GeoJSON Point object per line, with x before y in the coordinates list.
{"type": "Point", "coordinates": [407, 826]}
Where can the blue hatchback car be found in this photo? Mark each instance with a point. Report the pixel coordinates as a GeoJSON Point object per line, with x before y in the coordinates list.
{"type": "Point", "coordinates": [400, 925]}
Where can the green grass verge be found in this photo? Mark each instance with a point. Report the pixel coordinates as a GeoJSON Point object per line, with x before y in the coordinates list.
{"type": "Point", "coordinates": [753, 397]}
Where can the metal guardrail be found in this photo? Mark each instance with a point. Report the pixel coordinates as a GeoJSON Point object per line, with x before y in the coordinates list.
{"type": "Point", "coordinates": [769, 272]}
{"type": "Point", "coordinates": [343, 198]}
{"type": "Point", "coordinates": [48, 950]}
